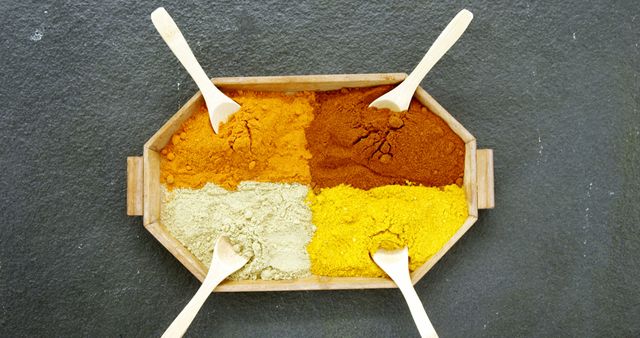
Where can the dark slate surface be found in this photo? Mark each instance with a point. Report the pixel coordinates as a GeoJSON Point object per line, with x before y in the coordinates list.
{"type": "Point", "coordinates": [554, 90]}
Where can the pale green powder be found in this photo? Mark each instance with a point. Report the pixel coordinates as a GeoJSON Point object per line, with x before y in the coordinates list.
{"type": "Point", "coordinates": [269, 222]}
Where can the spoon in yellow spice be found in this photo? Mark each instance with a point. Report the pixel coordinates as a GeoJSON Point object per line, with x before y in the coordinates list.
{"type": "Point", "coordinates": [220, 106]}
{"type": "Point", "coordinates": [225, 261]}
{"type": "Point", "coordinates": [399, 98]}
{"type": "Point", "coordinates": [396, 264]}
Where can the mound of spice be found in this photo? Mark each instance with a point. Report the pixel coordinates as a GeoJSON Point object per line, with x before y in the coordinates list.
{"type": "Point", "coordinates": [264, 141]}
{"type": "Point", "coordinates": [268, 222]}
{"type": "Point", "coordinates": [353, 223]}
{"type": "Point", "coordinates": [367, 147]}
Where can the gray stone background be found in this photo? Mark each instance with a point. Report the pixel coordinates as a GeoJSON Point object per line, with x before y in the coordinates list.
{"type": "Point", "coordinates": [552, 88]}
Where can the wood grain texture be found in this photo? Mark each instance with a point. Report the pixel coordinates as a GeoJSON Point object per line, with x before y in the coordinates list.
{"type": "Point", "coordinates": [470, 177]}
{"type": "Point", "coordinates": [135, 186]}
{"type": "Point", "coordinates": [308, 82]}
{"type": "Point", "coordinates": [151, 186]}
{"type": "Point", "coordinates": [163, 135]}
{"type": "Point", "coordinates": [484, 159]}
{"type": "Point", "coordinates": [424, 268]}
{"type": "Point", "coordinates": [310, 283]}
{"type": "Point", "coordinates": [177, 250]}
{"type": "Point", "coordinates": [433, 105]}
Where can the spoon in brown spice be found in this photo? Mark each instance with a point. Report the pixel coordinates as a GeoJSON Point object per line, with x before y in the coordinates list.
{"type": "Point", "coordinates": [220, 106]}
{"type": "Point", "coordinates": [399, 98]}
{"type": "Point", "coordinates": [225, 261]}
{"type": "Point", "coordinates": [396, 264]}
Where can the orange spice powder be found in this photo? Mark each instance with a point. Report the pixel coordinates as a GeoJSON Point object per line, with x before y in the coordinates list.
{"type": "Point", "coordinates": [264, 141]}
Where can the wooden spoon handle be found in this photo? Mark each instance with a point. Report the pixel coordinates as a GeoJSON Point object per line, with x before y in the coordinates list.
{"type": "Point", "coordinates": [418, 313]}
{"type": "Point", "coordinates": [445, 40]}
{"type": "Point", "coordinates": [184, 319]}
{"type": "Point", "coordinates": [175, 40]}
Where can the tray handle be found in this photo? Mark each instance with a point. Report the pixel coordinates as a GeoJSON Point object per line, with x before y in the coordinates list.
{"type": "Point", "coordinates": [484, 165]}
{"type": "Point", "coordinates": [135, 186]}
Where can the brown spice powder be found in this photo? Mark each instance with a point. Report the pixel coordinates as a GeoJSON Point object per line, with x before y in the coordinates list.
{"type": "Point", "coordinates": [364, 147]}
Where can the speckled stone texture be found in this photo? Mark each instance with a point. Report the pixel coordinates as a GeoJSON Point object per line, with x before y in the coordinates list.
{"type": "Point", "coordinates": [553, 89]}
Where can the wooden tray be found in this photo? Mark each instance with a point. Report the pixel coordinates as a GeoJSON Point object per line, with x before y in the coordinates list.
{"type": "Point", "coordinates": [143, 179]}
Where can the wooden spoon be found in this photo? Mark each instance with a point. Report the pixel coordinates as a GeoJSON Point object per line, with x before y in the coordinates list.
{"type": "Point", "coordinates": [225, 261]}
{"type": "Point", "coordinates": [396, 264]}
{"type": "Point", "coordinates": [398, 99]}
{"type": "Point", "coordinates": [219, 105]}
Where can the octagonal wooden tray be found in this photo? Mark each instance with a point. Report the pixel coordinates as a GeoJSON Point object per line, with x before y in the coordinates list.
{"type": "Point", "coordinates": [143, 178]}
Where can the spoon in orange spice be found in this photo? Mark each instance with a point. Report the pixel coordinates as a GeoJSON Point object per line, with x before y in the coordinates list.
{"type": "Point", "coordinates": [219, 105]}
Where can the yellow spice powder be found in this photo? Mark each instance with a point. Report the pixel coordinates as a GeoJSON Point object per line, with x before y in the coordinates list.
{"type": "Point", "coordinates": [353, 223]}
{"type": "Point", "coordinates": [264, 141]}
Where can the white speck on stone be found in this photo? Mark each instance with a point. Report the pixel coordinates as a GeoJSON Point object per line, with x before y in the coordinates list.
{"type": "Point", "coordinates": [540, 148]}
{"type": "Point", "coordinates": [37, 35]}
{"type": "Point", "coordinates": [611, 193]}
{"type": "Point", "coordinates": [46, 12]}
{"type": "Point", "coordinates": [587, 214]}
{"type": "Point", "coordinates": [574, 35]}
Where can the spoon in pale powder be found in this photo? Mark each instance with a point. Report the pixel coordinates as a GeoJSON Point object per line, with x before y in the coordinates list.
{"type": "Point", "coordinates": [220, 106]}
{"type": "Point", "coordinates": [399, 98]}
{"type": "Point", "coordinates": [225, 261]}
{"type": "Point", "coordinates": [396, 264]}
